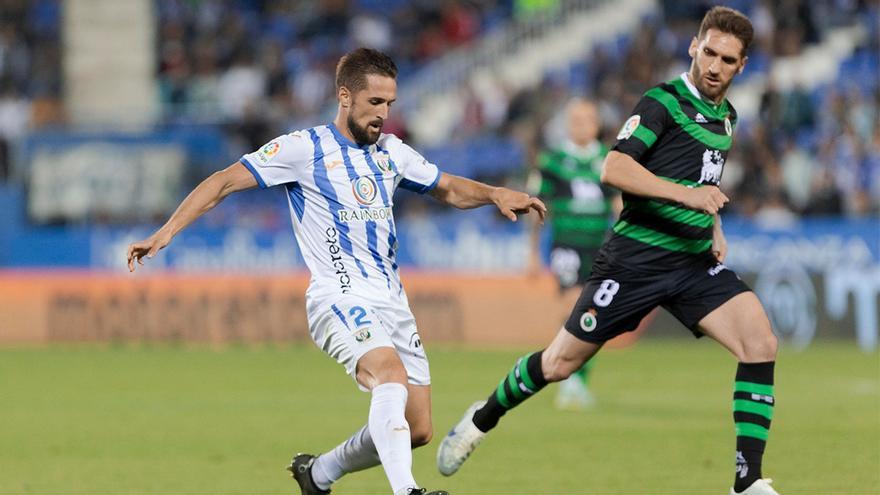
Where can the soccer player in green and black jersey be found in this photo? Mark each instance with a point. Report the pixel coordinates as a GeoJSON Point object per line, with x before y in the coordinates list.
{"type": "Point", "coordinates": [667, 250]}
{"type": "Point", "coordinates": [567, 179]}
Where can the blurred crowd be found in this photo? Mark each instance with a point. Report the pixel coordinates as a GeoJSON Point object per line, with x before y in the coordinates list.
{"type": "Point", "coordinates": [257, 68]}
{"type": "Point", "coordinates": [30, 70]}
{"type": "Point", "coordinates": [263, 65]}
{"type": "Point", "coordinates": [808, 151]}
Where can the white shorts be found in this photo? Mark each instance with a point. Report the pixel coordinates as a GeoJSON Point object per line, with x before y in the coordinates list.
{"type": "Point", "coordinates": [346, 328]}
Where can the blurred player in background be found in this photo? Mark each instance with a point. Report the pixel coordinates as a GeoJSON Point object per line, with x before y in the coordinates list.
{"type": "Point", "coordinates": [667, 249]}
{"type": "Point", "coordinates": [340, 179]}
{"type": "Point", "coordinates": [567, 180]}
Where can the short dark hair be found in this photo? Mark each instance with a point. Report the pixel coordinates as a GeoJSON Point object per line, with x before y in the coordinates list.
{"type": "Point", "coordinates": [729, 21]}
{"type": "Point", "coordinates": [354, 66]}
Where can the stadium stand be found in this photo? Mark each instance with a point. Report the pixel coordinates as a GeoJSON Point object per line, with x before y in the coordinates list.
{"type": "Point", "coordinates": [250, 70]}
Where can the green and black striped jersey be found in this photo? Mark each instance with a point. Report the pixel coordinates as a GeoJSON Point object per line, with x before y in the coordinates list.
{"type": "Point", "coordinates": [580, 208]}
{"type": "Point", "coordinates": [680, 137]}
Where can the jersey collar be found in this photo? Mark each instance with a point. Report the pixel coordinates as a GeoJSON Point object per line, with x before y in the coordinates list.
{"type": "Point", "coordinates": [696, 92]}
{"type": "Point", "coordinates": [341, 139]}
{"type": "Point", "coordinates": [581, 152]}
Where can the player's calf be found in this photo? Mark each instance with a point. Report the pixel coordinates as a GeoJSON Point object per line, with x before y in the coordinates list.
{"type": "Point", "coordinates": [565, 355]}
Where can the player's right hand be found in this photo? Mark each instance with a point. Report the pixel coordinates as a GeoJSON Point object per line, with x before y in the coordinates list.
{"type": "Point", "coordinates": [707, 198]}
{"type": "Point", "coordinates": [148, 247]}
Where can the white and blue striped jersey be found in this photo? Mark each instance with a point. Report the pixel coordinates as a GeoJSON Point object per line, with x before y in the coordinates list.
{"type": "Point", "coordinates": [341, 199]}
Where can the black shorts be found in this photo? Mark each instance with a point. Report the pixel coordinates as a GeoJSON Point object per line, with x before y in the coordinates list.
{"type": "Point", "coordinates": [615, 299]}
{"type": "Point", "coordinates": [571, 265]}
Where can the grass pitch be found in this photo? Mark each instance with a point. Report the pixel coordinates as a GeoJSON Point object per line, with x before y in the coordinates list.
{"type": "Point", "coordinates": [175, 420]}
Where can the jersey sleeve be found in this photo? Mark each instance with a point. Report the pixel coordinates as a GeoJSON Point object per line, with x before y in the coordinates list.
{"type": "Point", "coordinates": [641, 130]}
{"type": "Point", "coordinates": [417, 174]}
{"type": "Point", "coordinates": [280, 160]}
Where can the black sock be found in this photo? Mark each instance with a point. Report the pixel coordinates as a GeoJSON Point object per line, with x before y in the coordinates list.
{"type": "Point", "coordinates": [753, 402]}
{"type": "Point", "coordinates": [524, 380]}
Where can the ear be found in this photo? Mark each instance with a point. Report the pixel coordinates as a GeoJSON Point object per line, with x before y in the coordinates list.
{"type": "Point", "coordinates": [344, 97]}
{"type": "Point", "coordinates": [692, 49]}
{"type": "Point", "coordinates": [742, 65]}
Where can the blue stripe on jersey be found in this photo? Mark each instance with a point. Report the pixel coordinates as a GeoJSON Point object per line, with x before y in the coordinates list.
{"type": "Point", "coordinates": [244, 161]}
{"type": "Point", "coordinates": [323, 183]}
{"type": "Point", "coordinates": [392, 228]}
{"type": "Point", "coordinates": [352, 176]}
{"type": "Point", "coordinates": [415, 187]}
{"type": "Point", "coordinates": [392, 255]}
{"type": "Point", "coordinates": [297, 199]}
{"type": "Point", "coordinates": [339, 314]}
{"type": "Point", "coordinates": [370, 226]}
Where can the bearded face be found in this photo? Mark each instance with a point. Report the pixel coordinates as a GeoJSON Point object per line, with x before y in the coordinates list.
{"type": "Point", "coordinates": [370, 107]}
{"type": "Point", "coordinates": [717, 59]}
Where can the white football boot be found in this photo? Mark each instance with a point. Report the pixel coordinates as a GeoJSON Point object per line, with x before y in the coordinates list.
{"type": "Point", "coordinates": [759, 487]}
{"type": "Point", "coordinates": [459, 442]}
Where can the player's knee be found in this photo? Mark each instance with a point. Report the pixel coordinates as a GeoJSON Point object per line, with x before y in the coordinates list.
{"type": "Point", "coordinates": [379, 369]}
{"type": "Point", "coordinates": [421, 435]}
{"type": "Point", "coordinates": [760, 349]}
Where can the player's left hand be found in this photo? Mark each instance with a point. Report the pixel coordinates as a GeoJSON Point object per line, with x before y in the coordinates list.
{"type": "Point", "coordinates": [719, 244]}
{"type": "Point", "coordinates": [512, 203]}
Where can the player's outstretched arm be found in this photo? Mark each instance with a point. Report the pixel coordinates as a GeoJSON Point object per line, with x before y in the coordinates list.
{"type": "Point", "coordinates": [205, 196]}
{"type": "Point", "coordinates": [623, 172]}
{"type": "Point", "coordinates": [466, 193]}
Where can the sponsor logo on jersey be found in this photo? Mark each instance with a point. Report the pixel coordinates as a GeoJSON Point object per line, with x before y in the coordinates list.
{"type": "Point", "coordinates": [333, 164]}
{"type": "Point", "coordinates": [713, 163]}
{"type": "Point", "coordinates": [715, 270]}
{"type": "Point", "coordinates": [332, 241]}
{"type": "Point", "coordinates": [629, 127]}
{"type": "Point", "coordinates": [364, 214]}
{"type": "Point", "coordinates": [589, 321]}
{"type": "Point", "coordinates": [364, 189]}
{"type": "Point", "coordinates": [728, 128]}
{"type": "Point", "coordinates": [700, 119]}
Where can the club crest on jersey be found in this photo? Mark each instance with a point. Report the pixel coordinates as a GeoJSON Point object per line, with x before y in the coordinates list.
{"type": "Point", "coordinates": [713, 163]}
{"type": "Point", "coordinates": [362, 335]}
{"type": "Point", "coordinates": [629, 127]}
{"type": "Point", "coordinates": [728, 128]}
{"type": "Point", "coordinates": [382, 161]}
{"type": "Point", "coordinates": [588, 321]}
{"type": "Point", "coordinates": [364, 189]}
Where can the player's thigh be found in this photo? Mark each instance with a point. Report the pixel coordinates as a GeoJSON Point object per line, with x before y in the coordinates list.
{"type": "Point", "coordinates": [380, 365]}
{"type": "Point", "coordinates": [348, 331]}
{"type": "Point", "coordinates": [611, 304]}
{"type": "Point", "coordinates": [741, 325]}
{"type": "Point", "coordinates": [418, 414]}
{"type": "Point", "coordinates": [404, 335]}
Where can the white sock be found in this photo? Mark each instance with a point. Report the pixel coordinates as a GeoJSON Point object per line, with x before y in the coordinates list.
{"type": "Point", "coordinates": [355, 454]}
{"type": "Point", "coordinates": [390, 433]}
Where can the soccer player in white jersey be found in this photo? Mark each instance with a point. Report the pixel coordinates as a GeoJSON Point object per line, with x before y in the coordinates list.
{"type": "Point", "coordinates": [340, 179]}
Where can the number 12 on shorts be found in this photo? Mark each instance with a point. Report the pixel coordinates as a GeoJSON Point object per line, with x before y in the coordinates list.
{"type": "Point", "coordinates": [605, 293]}
{"type": "Point", "coordinates": [359, 314]}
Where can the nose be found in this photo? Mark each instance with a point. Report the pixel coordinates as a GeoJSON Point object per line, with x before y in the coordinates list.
{"type": "Point", "coordinates": [714, 66]}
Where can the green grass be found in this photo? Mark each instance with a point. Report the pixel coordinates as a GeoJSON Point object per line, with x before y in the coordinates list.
{"type": "Point", "coordinates": [165, 420]}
